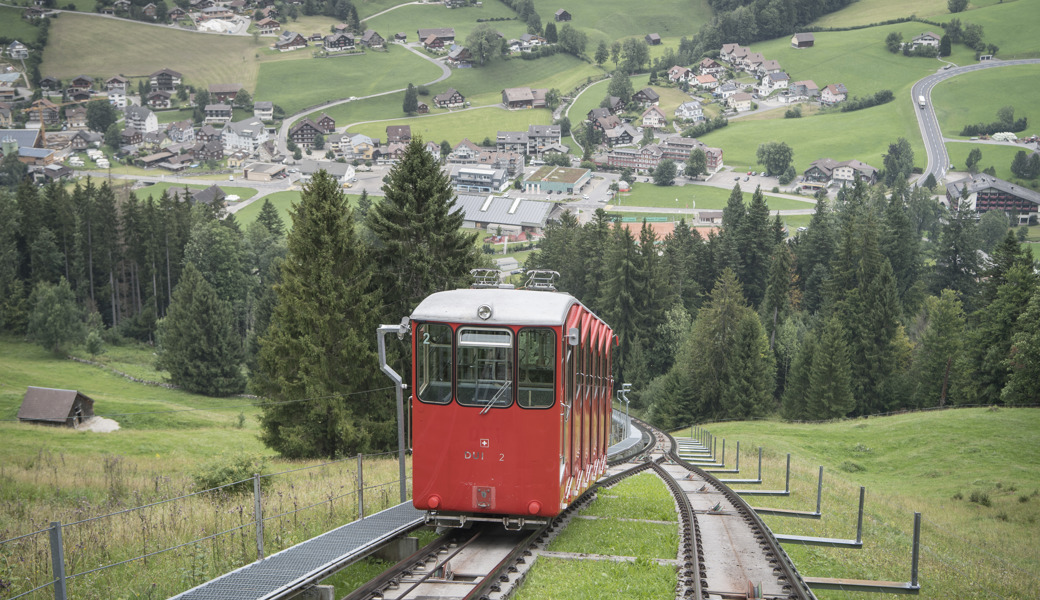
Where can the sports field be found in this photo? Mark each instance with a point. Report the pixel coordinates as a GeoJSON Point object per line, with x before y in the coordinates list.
{"type": "Point", "coordinates": [699, 196]}
{"type": "Point", "coordinates": [993, 155]}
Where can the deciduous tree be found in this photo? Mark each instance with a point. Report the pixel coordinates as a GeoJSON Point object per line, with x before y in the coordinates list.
{"type": "Point", "coordinates": [56, 319]}
{"type": "Point", "coordinates": [774, 156]}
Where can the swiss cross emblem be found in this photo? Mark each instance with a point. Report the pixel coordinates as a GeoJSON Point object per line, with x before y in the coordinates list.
{"type": "Point", "coordinates": [484, 443]}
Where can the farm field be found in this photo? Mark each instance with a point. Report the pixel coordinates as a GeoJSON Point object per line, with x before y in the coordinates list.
{"type": "Point", "coordinates": [611, 20]}
{"type": "Point", "coordinates": [281, 200]}
{"type": "Point", "coordinates": [966, 99]}
{"type": "Point", "coordinates": [1010, 25]}
{"type": "Point", "coordinates": [136, 50]}
{"type": "Point", "coordinates": [702, 196]}
{"type": "Point", "coordinates": [13, 26]}
{"type": "Point", "coordinates": [484, 85]}
{"type": "Point", "coordinates": [410, 18]}
{"type": "Point", "coordinates": [933, 463]}
{"type": "Point", "coordinates": [995, 155]}
{"type": "Point", "coordinates": [297, 84]}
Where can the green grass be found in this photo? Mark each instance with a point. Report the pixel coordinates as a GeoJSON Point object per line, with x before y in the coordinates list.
{"type": "Point", "coordinates": [925, 462]}
{"type": "Point", "coordinates": [599, 579]}
{"type": "Point", "coordinates": [611, 20]}
{"type": "Point", "coordinates": [297, 84]}
{"type": "Point", "coordinates": [370, 7]}
{"type": "Point", "coordinates": [13, 26]}
{"type": "Point", "coordinates": [410, 18]}
{"type": "Point", "coordinates": [705, 197]}
{"type": "Point", "coordinates": [618, 538]}
{"type": "Point", "coordinates": [641, 497]}
{"type": "Point", "coordinates": [156, 190]}
{"type": "Point", "coordinates": [484, 85]}
{"type": "Point", "coordinates": [281, 200]}
{"type": "Point", "coordinates": [997, 156]}
{"type": "Point", "coordinates": [968, 99]}
{"type": "Point", "coordinates": [473, 124]}
{"type": "Point", "coordinates": [136, 50]}
{"type": "Point", "coordinates": [1010, 25]}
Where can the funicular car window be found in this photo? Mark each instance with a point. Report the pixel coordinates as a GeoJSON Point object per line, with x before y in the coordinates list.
{"type": "Point", "coordinates": [433, 369]}
{"type": "Point", "coordinates": [484, 376]}
{"type": "Point", "coordinates": [536, 367]}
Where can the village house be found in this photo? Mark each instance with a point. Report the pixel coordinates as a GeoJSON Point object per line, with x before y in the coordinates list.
{"type": "Point", "coordinates": [830, 171]}
{"type": "Point", "coordinates": [116, 84]}
{"type": "Point", "coordinates": [218, 113]}
{"type": "Point", "coordinates": [305, 132]}
{"type": "Point", "coordinates": [159, 100]}
{"type": "Point", "coordinates": [17, 50]}
{"type": "Point", "coordinates": [6, 117]}
{"type": "Point", "coordinates": [740, 102]}
{"type": "Point", "coordinates": [690, 111]}
{"type": "Point", "coordinates": [45, 109]}
{"type": "Point", "coordinates": [706, 82]}
{"type": "Point", "coordinates": [677, 74]}
{"type": "Point", "coordinates": [769, 66]}
{"type": "Point", "coordinates": [131, 136]}
{"type": "Point", "coordinates": [446, 35]}
{"type": "Point", "coordinates": [264, 110]}
{"type": "Point", "coordinates": [208, 133]}
{"type": "Point", "coordinates": [653, 39]}
{"type": "Point", "coordinates": [50, 83]}
{"type": "Point", "coordinates": [773, 82]}
{"type": "Point", "coordinates": [460, 57]}
{"type": "Point", "coordinates": [803, 40]}
{"type": "Point", "coordinates": [806, 88]}
{"type": "Point", "coordinates": [562, 15]}
{"type": "Point", "coordinates": [268, 25]}
{"type": "Point", "coordinates": [372, 39]}
{"type": "Point", "coordinates": [81, 83]}
{"type": "Point", "coordinates": [733, 53]}
{"type": "Point", "coordinates": [212, 150]}
{"type": "Point", "coordinates": [76, 116]}
{"type": "Point", "coordinates": [224, 92]}
{"type": "Point", "coordinates": [834, 93]}
{"type": "Point", "coordinates": [466, 178]}
{"type": "Point", "coordinates": [338, 42]}
{"type": "Point", "coordinates": [925, 39]}
{"type": "Point", "coordinates": [654, 118]}
{"type": "Point", "coordinates": [326, 123]}
{"type": "Point", "coordinates": [141, 118]}
{"type": "Point", "coordinates": [621, 134]}
{"type": "Point", "coordinates": [176, 14]}
{"type": "Point", "coordinates": [646, 97]}
{"type": "Point", "coordinates": [708, 66]}
{"type": "Point", "coordinates": [289, 41]}
{"type": "Point", "coordinates": [398, 134]}
{"type": "Point", "coordinates": [465, 152]}
{"type": "Point", "coordinates": [985, 193]}
{"type": "Point", "coordinates": [85, 139]}
{"type": "Point", "coordinates": [245, 135]}
{"type": "Point", "coordinates": [520, 97]}
{"type": "Point", "coordinates": [165, 80]}
{"type": "Point", "coordinates": [449, 99]}
{"type": "Point", "coordinates": [181, 132]}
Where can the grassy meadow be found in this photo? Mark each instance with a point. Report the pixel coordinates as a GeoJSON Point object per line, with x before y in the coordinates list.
{"type": "Point", "coordinates": [13, 26]}
{"type": "Point", "coordinates": [136, 50]}
{"type": "Point", "coordinates": [965, 470]}
{"type": "Point", "coordinates": [165, 437]}
{"type": "Point", "coordinates": [967, 99]}
{"type": "Point", "coordinates": [410, 18]}
{"type": "Point", "coordinates": [610, 20]}
{"type": "Point", "coordinates": [475, 124]}
{"type": "Point", "coordinates": [1010, 25]}
{"type": "Point", "coordinates": [997, 156]}
{"type": "Point", "coordinates": [703, 196]}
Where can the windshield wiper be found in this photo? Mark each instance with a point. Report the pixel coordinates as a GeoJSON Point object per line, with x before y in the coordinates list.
{"type": "Point", "coordinates": [497, 395]}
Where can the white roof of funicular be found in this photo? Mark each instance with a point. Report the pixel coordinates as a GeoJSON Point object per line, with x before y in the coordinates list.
{"type": "Point", "coordinates": [508, 307]}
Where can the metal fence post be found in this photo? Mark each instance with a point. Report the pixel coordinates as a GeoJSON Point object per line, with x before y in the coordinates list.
{"type": "Point", "coordinates": [859, 519]}
{"type": "Point", "coordinates": [819, 491]}
{"type": "Point", "coordinates": [57, 561]}
{"type": "Point", "coordinates": [258, 516]}
{"type": "Point", "coordinates": [787, 484]}
{"type": "Point", "coordinates": [360, 488]}
{"type": "Point", "coordinates": [916, 550]}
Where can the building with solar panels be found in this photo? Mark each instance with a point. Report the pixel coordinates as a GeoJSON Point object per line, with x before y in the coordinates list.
{"type": "Point", "coordinates": [512, 215]}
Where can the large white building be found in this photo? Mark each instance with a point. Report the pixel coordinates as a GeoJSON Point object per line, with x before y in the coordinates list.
{"type": "Point", "coordinates": [246, 135]}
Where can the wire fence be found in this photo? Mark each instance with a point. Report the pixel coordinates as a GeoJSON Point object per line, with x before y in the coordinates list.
{"type": "Point", "coordinates": [179, 542]}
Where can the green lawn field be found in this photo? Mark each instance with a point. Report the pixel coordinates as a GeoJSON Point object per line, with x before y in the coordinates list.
{"type": "Point", "coordinates": [367, 8]}
{"type": "Point", "coordinates": [1010, 25]}
{"type": "Point", "coordinates": [409, 19]}
{"type": "Point", "coordinates": [931, 463]}
{"type": "Point", "coordinates": [156, 190]}
{"type": "Point", "coordinates": [13, 26]}
{"type": "Point", "coordinates": [281, 200]}
{"type": "Point", "coordinates": [135, 50]}
{"type": "Point", "coordinates": [297, 84]}
{"type": "Point", "coordinates": [484, 85]}
{"type": "Point", "coordinates": [611, 20]}
{"type": "Point", "coordinates": [997, 156]}
{"type": "Point", "coordinates": [967, 99]}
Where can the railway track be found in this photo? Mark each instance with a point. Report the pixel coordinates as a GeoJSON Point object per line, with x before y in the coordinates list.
{"type": "Point", "coordinates": [725, 550]}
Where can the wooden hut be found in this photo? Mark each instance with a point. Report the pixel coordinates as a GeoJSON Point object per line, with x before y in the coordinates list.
{"type": "Point", "coordinates": [55, 407]}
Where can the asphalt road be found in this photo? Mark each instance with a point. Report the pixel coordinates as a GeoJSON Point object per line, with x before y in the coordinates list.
{"type": "Point", "coordinates": [938, 159]}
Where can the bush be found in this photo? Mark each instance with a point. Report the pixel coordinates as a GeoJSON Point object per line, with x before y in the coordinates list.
{"type": "Point", "coordinates": [851, 467]}
{"type": "Point", "coordinates": [981, 498]}
{"type": "Point", "coordinates": [958, 496]}
{"type": "Point", "coordinates": [237, 469]}
{"type": "Point", "coordinates": [793, 113]}
{"type": "Point", "coordinates": [855, 103]}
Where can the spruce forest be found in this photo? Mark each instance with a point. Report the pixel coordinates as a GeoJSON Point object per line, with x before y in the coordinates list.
{"type": "Point", "coordinates": [887, 301]}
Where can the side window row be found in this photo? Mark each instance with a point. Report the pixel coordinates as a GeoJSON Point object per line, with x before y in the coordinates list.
{"type": "Point", "coordinates": [483, 367]}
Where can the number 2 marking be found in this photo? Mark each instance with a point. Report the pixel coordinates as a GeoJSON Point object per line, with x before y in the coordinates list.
{"type": "Point", "coordinates": [426, 339]}
{"type": "Point", "coordinates": [501, 458]}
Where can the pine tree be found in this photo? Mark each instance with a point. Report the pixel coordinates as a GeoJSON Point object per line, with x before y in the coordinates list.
{"type": "Point", "coordinates": [216, 252]}
{"type": "Point", "coordinates": [830, 385]}
{"type": "Point", "coordinates": [756, 245]}
{"type": "Point", "coordinates": [12, 296]}
{"type": "Point", "coordinates": [685, 256]}
{"type": "Point", "coordinates": [197, 341]}
{"type": "Point", "coordinates": [900, 243]}
{"type": "Point", "coordinates": [777, 302]}
{"type": "Point", "coordinates": [56, 319]}
{"type": "Point", "coordinates": [1023, 360]}
{"type": "Point", "coordinates": [46, 259]}
{"type": "Point", "coordinates": [733, 216]}
{"type": "Point", "coordinates": [815, 246]}
{"type": "Point", "coordinates": [937, 365]}
{"type": "Point", "coordinates": [996, 324]}
{"type": "Point", "coordinates": [620, 302]}
{"type": "Point", "coordinates": [956, 255]}
{"type": "Point", "coordinates": [317, 359]}
{"type": "Point", "coordinates": [411, 100]}
{"type": "Point", "coordinates": [270, 218]}
{"type": "Point", "coordinates": [420, 248]}
{"type": "Point", "coordinates": [799, 383]}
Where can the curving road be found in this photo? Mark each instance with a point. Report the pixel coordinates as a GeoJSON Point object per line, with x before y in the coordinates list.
{"type": "Point", "coordinates": [934, 145]}
{"type": "Point", "coordinates": [287, 122]}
